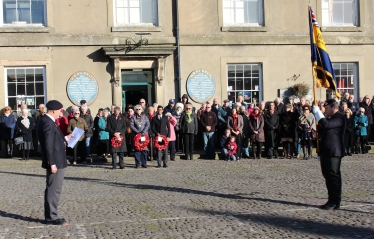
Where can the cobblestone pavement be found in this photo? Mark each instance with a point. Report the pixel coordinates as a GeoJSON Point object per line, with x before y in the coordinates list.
{"type": "Point", "coordinates": [190, 199]}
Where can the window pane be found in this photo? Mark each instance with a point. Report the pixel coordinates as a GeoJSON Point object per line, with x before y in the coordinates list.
{"type": "Point", "coordinates": [146, 11]}
{"type": "Point", "coordinates": [21, 88]}
{"type": "Point", "coordinates": [121, 3]}
{"type": "Point", "coordinates": [39, 100]}
{"type": "Point", "coordinates": [239, 84]}
{"type": "Point", "coordinates": [39, 89]}
{"type": "Point", "coordinates": [29, 75]}
{"type": "Point", "coordinates": [134, 15]}
{"type": "Point", "coordinates": [12, 102]}
{"type": "Point", "coordinates": [11, 75]}
{"type": "Point", "coordinates": [30, 89]}
{"type": "Point", "coordinates": [20, 74]}
{"type": "Point", "coordinates": [231, 96]}
{"type": "Point", "coordinates": [231, 84]}
{"type": "Point", "coordinates": [247, 83]}
{"type": "Point", "coordinates": [12, 89]}
{"type": "Point", "coordinates": [231, 71]}
{"type": "Point", "coordinates": [251, 12]}
{"type": "Point", "coordinates": [239, 71]}
{"type": "Point", "coordinates": [255, 84]}
{"type": "Point", "coordinates": [121, 15]}
{"type": "Point", "coordinates": [39, 74]}
{"type": "Point", "coordinates": [9, 11]}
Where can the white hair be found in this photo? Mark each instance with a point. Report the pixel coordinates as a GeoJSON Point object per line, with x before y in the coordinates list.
{"type": "Point", "coordinates": [74, 108]}
{"type": "Point", "coordinates": [25, 110]}
{"type": "Point", "coordinates": [84, 107]}
{"type": "Point", "coordinates": [138, 107]}
{"type": "Point", "coordinates": [179, 105]}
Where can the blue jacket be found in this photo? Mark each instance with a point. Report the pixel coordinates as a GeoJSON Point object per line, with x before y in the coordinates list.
{"type": "Point", "coordinates": [363, 119]}
{"type": "Point", "coordinates": [103, 133]}
{"type": "Point", "coordinates": [7, 125]}
{"type": "Point", "coordinates": [222, 116]}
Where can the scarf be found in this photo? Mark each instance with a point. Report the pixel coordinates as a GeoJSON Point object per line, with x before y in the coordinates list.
{"type": "Point", "coordinates": [151, 116]}
{"type": "Point", "coordinates": [235, 122]}
{"type": "Point", "coordinates": [189, 119]}
{"type": "Point", "coordinates": [7, 114]}
{"type": "Point", "coordinates": [25, 121]}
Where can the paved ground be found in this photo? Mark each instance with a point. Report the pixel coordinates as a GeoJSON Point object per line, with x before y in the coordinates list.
{"type": "Point", "coordinates": [190, 199]}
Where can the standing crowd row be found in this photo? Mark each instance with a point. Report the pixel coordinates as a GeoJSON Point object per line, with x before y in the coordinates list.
{"type": "Point", "coordinates": [153, 131]}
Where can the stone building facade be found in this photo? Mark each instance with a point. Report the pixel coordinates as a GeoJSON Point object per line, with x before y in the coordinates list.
{"type": "Point", "coordinates": [250, 47]}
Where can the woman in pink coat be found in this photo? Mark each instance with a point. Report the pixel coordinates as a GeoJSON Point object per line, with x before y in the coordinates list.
{"type": "Point", "coordinates": [173, 123]}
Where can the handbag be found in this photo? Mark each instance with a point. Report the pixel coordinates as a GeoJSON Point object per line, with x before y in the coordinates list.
{"type": "Point", "coordinates": [18, 140]}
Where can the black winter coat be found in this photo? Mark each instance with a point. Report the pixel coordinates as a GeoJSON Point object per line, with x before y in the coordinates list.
{"type": "Point", "coordinates": [331, 133]}
{"type": "Point", "coordinates": [114, 126]}
{"type": "Point", "coordinates": [271, 128]}
{"type": "Point", "coordinates": [21, 130]}
{"type": "Point", "coordinates": [349, 131]}
{"type": "Point", "coordinates": [161, 126]}
{"type": "Point", "coordinates": [287, 124]}
{"type": "Point", "coordinates": [189, 128]}
{"type": "Point", "coordinates": [368, 111]}
{"type": "Point", "coordinates": [90, 123]}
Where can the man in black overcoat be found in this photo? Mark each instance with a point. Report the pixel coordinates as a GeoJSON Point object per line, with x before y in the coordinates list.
{"type": "Point", "coordinates": [271, 119]}
{"type": "Point", "coordinates": [161, 126]}
{"type": "Point", "coordinates": [117, 128]}
{"type": "Point", "coordinates": [331, 134]}
{"type": "Point", "coordinates": [52, 144]}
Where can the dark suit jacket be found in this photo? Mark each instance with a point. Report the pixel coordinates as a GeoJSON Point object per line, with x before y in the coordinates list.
{"type": "Point", "coordinates": [331, 132]}
{"type": "Point", "coordinates": [117, 125]}
{"type": "Point", "coordinates": [161, 126]}
{"type": "Point", "coordinates": [52, 143]}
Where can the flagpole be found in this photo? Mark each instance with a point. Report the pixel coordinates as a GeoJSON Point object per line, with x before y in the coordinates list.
{"type": "Point", "coordinates": [314, 89]}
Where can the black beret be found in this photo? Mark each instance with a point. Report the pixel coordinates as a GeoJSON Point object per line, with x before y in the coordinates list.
{"type": "Point", "coordinates": [329, 102]}
{"type": "Point", "coordinates": [54, 105]}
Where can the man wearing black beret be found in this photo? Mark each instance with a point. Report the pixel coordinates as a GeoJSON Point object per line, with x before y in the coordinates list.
{"type": "Point", "coordinates": [52, 143]}
{"type": "Point", "coordinates": [331, 134]}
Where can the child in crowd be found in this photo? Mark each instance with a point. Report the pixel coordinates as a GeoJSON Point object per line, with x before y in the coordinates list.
{"type": "Point", "coordinates": [231, 147]}
{"type": "Point", "coordinates": [222, 143]}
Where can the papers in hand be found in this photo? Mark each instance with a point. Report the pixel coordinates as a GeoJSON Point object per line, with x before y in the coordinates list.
{"type": "Point", "coordinates": [77, 133]}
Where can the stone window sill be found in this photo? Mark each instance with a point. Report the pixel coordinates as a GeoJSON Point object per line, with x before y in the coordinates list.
{"type": "Point", "coordinates": [243, 29]}
{"type": "Point", "coordinates": [136, 29]}
{"type": "Point", "coordinates": [5, 29]}
{"type": "Point", "coordinates": [341, 29]}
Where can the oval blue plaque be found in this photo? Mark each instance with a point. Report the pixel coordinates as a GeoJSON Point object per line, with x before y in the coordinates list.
{"type": "Point", "coordinates": [82, 86]}
{"type": "Point", "coordinates": [200, 85]}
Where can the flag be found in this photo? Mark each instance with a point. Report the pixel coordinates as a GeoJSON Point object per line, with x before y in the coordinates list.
{"type": "Point", "coordinates": [321, 62]}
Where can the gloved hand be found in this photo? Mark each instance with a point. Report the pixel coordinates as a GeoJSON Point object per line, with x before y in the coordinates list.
{"type": "Point", "coordinates": [317, 113]}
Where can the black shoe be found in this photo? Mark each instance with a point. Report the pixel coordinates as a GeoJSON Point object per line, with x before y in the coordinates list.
{"type": "Point", "coordinates": [144, 166]}
{"type": "Point", "coordinates": [114, 167]}
{"type": "Point", "coordinates": [349, 154]}
{"type": "Point", "coordinates": [158, 166]}
{"type": "Point", "coordinates": [122, 166]}
{"type": "Point", "coordinates": [165, 166]}
{"type": "Point", "coordinates": [57, 222]}
{"type": "Point", "coordinates": [309, 157]}
{"type": "Point", "coordinates": [331, 206]}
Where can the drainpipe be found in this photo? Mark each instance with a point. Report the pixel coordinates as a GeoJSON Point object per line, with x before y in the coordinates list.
{"type": "Point", "coordinates": [179, 93]}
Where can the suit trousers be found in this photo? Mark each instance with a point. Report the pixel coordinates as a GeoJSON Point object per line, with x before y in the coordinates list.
{"type": "Point", "coordinates": [52, 193]}
{"type": "Point", "coordinates": [331, 172]}
{"type": "Point", "coordinates": [162, 156]}
{"type": "Point", "coordinates": [188, 145]}
{"type": "Point", "coordinates": [114, 159]}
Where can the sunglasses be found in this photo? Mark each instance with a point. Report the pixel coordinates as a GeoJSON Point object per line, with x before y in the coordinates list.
{"type": "Point", "coordinates": [208, 107]}
{"type": "Point", "coordinates": [306, 109]}
{"type": "Point", "coordinates": [142, 102]}
{"type": "Point", "coordinates": [76, 113]}
{"type": "Point", "coordinates": [138, 109]}
{"type": "Point", "coordinates": [188, 108]}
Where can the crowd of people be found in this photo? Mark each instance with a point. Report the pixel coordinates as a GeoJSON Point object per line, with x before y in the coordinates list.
{"type": "Point", "coordinates": [152, 131]}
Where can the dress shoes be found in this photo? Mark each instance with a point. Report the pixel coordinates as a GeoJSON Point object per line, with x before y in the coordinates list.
{"type": "Point", "coordinates": [330, 206]}
{"type": "Point", "coordinates": [158, 166]}
{"type": "Point", "coordinates": [57, 222]}
{"type": "Point", "coordinates": [121, 166]}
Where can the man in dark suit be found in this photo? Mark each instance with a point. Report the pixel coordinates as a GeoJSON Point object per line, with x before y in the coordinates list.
{"type": "Point", "coordinates": [52, 144]}
{"type": "Point", "coordinates": [331, 133]}
{"type": "Point", "coordinates": [161, 126]}
{"type": "Point", "coordinates": [117, 128]}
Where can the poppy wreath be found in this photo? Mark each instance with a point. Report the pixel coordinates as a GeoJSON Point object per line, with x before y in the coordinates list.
{"type": "Point", "coordinates": [116, 142]}
{"type": "Point", "coordinates": [141, 145]}
{"type": "Point", "coordinates": [160, 145]}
